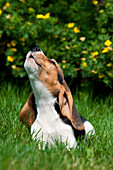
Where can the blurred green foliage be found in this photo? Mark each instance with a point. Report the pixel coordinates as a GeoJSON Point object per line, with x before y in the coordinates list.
{"type": "Point", "coordinates": [78, 34]}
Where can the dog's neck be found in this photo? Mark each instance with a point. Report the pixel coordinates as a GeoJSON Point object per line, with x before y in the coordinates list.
{"type": "Point", "coordinates": [44, 101]}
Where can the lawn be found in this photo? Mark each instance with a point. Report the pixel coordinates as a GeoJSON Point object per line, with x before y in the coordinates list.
{"type": "Point", "coordinates": [19, 151]}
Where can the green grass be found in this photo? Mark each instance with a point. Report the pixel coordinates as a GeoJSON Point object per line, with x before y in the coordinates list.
{"type": "Point", "coordinates": [19, 151]}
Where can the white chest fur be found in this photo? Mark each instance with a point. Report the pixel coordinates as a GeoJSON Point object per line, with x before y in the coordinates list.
{"type": "Point", "coordinates": [48, 126]}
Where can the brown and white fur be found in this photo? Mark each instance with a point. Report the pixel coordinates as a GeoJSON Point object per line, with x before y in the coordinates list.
{"type": "Point", "coordinates": [50, 109]}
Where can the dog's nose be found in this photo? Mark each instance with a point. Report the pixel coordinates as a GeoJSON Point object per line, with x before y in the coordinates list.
{"type": "Point", "coordinates": [35, 49]}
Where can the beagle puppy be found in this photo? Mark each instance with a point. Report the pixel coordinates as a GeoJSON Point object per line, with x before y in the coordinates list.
{"type": "Point", "coordinates": [50, 110]}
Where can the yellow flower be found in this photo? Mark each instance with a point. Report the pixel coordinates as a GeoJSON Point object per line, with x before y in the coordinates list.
{"type": "Point", "coordinates": [56, 36]}
{"type": "Point", "coordinates": [108, 4]}
{"type": "Point", "coordinates": [74, 46]}
{"type": "Point", "coordinates": [95, 2]}
{"type": "Point", "coordinates": [10, 58]}
{"type": "Point", "coordinates": [41, 16]}
{"type": "Point", "coordinates": [14, 67]}
{"type": "Point", "coordinates": [82, 38]}
{"type": "Point", "coordinates": [105, 50]}
{"type": "Point", "coordinates": [7, 4]}
{"type": "Point", "coordinates": [95, 53]}
{"type": "Point", "coordinates": [92, 56]}
{"type": "Point", "coordinates": [109, 65]}
{"type": "Point", "coordinates": [67, 47]}
{"type": "Point", "coordinates": [108, 43]}
{"type": "Point", "coordinates": [11, 27]}
{"type": "Point", "coordinates": [8, 16]}
{"type": "Point", "coordinates": [101, 76]}
{"type": "Point", "coordinates": [93, 71]}
{"type": "Point", "coordinates": [28, 23]}
{"type": "Point", "coordinates": [30, 9]}
{"type": "Point", "coordinates": [13, 43]}
{"type": "Point", "coordinates": [13, 49]}
{"type": "Point", "coordinates": [84, 64]}
{"type": "Point", "coordinates": [84, 52]}
{"type": "Point", "coordinates": [8, 45]}
{"type": "Point", "coordinates": [0, 11]}
{"type": "Point", "coordinates": [76, 30]}
{"type": "Point", "coordinates": [22, 39]}
{"type": "Point", "coordinates": [101, 11]}
{"type": "Point", "coordinates": [110, 48]}
{"type": "Point", "coordinates": [47, 15]}
{"type": "Point", "coordinates": [64, 66]}
{"type": "Point", "coordinates": [63, 39]}
{"type": "Point", "coordinates": [63, 61]}
{"type": "Point", "coordinates": [83, 59]}
{"type": "Point", "coordinates": [70, 25]}
{"type": "Point", "coordinates": [109, 73]}
{"type": "Point", "coordinates": [94, 59]}
{"type": "Point", "coordinates": [4, 8]}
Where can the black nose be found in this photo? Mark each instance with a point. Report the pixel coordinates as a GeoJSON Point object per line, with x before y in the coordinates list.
{"type": "Point", "coordinates": [35, 49]}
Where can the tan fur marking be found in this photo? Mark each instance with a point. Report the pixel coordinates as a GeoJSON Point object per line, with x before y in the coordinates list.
{"type": "Point", "coordinates": [28, 113]}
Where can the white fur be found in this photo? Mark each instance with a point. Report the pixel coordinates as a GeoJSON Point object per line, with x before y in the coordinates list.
{"type": "Point", "coordinates": [89, 129]}
{"type": "Point", "coordinates": [48, 125]}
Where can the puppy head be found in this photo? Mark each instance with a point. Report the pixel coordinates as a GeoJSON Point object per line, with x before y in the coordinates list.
{"type": "Point", "coordinates": [48, 71]}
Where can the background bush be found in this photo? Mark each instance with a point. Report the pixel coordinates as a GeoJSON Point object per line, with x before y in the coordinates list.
{"type": "Point", "coordinates": [78, 34]}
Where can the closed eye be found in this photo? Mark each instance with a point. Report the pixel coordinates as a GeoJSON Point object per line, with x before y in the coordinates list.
{"type": "Point", "coordinates": [60, 79]}
{"type": "Point", "coordinates": [52, 62]}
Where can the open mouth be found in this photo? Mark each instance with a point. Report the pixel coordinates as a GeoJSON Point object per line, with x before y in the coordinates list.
{"type": "Point", "coordinates": [31, 56]}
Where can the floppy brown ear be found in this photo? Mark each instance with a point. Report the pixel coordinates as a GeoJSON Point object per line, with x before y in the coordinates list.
{"type": "Point", "coordinates": [68, 109]}
{"type": "Point", "coordinates": [28, 112]}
